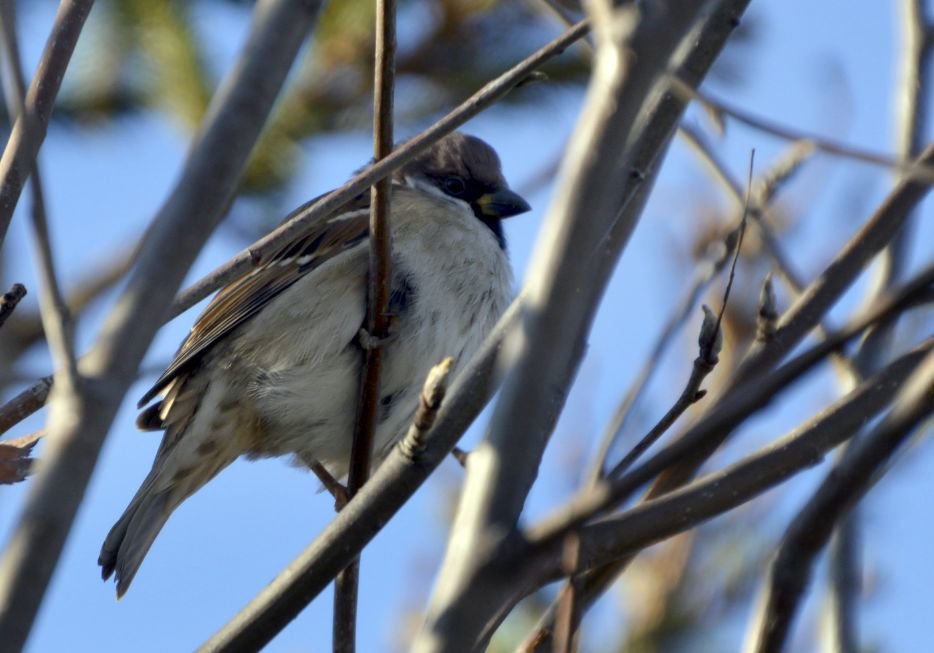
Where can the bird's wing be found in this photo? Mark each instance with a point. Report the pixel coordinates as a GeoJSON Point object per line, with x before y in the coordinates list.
{"type": "Point", "coordinates": [242, 299]}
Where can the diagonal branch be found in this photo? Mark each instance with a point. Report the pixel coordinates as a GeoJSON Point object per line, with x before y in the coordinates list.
{"type": "Point", "coordinates": [25, 139]}
{"type": "Point", "coordinates": [619, 538]}
{"type": "Point", "coordinates": [691, 505]}
{"type": "Point", "coordinates": [56, 320]}
{"type": "Point", "coordinates": [564, 290]}
{"type": "Point", "coordinates": [923, 172]}
{"type": "Point", "coordinates": [730, 411]}
{"type": "Point", "coordinates": [864, 462]}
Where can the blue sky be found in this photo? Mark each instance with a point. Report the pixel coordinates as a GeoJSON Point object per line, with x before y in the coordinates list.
{"type": "Point", "coordinates": [826, 67]}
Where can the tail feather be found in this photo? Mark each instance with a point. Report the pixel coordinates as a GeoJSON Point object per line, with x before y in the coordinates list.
{"type": "Point", "coordinates": [133, 534]}
{"type": "Point", "coordinates": [201, 438]}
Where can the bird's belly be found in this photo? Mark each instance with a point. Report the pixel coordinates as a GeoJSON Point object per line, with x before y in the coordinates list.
{"type": "Point", "coordinates": [309, 408]}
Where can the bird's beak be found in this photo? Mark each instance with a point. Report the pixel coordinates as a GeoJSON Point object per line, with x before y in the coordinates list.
{"type": "Point", "coordinates": [502, 203]}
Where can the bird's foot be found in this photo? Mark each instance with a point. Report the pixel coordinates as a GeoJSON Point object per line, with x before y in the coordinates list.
{"type": "Point", "coordinates": [368, 341]}
{"type": "Point", "coordinates": [334, 487]}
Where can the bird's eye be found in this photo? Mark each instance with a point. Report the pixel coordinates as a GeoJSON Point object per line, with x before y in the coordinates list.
{"type": "Point", "coordinates": [453, 186]}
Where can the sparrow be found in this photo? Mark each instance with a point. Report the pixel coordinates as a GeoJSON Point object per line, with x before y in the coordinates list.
{"type": "Point", "coordinates": [272, 366]}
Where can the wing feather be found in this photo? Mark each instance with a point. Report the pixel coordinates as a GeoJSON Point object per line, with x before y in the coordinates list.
{"type": "Point", "coordinates": [240, 300]}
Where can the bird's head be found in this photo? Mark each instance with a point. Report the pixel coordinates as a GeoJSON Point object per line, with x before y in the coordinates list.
{"type": "Point", "coordinates": [466, 168]}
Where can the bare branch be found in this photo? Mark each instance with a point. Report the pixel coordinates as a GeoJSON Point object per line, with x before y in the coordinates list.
{"type": "Point", "coordinates": [860, 467]}
{"type": "Point", "coordinates": [845, 567]}
{"type": "Point", "coordinates": [78, 425]}
{"type": "Point", "coordinates": [25, 403]}
{"type": "Point", "coordinates": [763, 194]}
{"type": "Point", "coordinates": [56, 320]}
{"type": "Point", "coordinates": [379, 287]}
{"type": "Point", "coordinates": [919, 171]}
{"type": "Point", "coordinates": [759, 212]}
{"type": "Point", "coordinates": [707, 358]}
{"type": "Point", "coordinates": [730, 411]}
{"type": "Point", "coordinates": [25, 138]}
{"type": "Point", "coordinates": [9, 301]}
{"type": "Point", "coordinates": [610, 543]}
{"type": "Point", "coordinates": [686, 507]}
{"type": "Point", "coordinates": [704, 274]}
{"type": "Point", "coordinates": [564, 290]}
{"type": "Point", "coordinates": [810, 307]}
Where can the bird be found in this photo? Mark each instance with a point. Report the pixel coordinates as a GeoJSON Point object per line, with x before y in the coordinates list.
{"type": "Point", "coordinates": [272, 366]}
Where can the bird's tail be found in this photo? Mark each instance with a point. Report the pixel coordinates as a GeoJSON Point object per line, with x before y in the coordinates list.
{"type": "Point", "coordinates": [164, 489]}
{"type": "Point", "coordinates": [130, 538]}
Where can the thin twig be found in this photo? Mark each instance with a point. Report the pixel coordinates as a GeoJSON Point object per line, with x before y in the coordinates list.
{"type": "Point", "coordinates": [705, 272]}
{"type": "Point", "coordinates": [25, 139]}
{"type": "Point", "coordinates": [379, 286]}
{"type": "Point", "coordinates": [9, 301]}
{"type": "Point", "coordinates": [429, 402]}
{"type": "Point", "coordinates": [813, 303]}
{"type": "Point", "coordinates": [719, 420]}
{"type": "Point", "coordinates": [860, 467]}
{"type": "Point", "coordinates": [764, 193]}
{"type": "Point", "coordinates": [709, 342]}
{"type": "Point", "coordinates": [707, 358]}
{"type": "Point", "coordinates": [917, 171]}
{"type": "Point", "coordinates": [56, 320]}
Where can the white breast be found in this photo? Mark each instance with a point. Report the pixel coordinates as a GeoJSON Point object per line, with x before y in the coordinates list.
{"type": "Point", "coordinates": [306, 386]}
